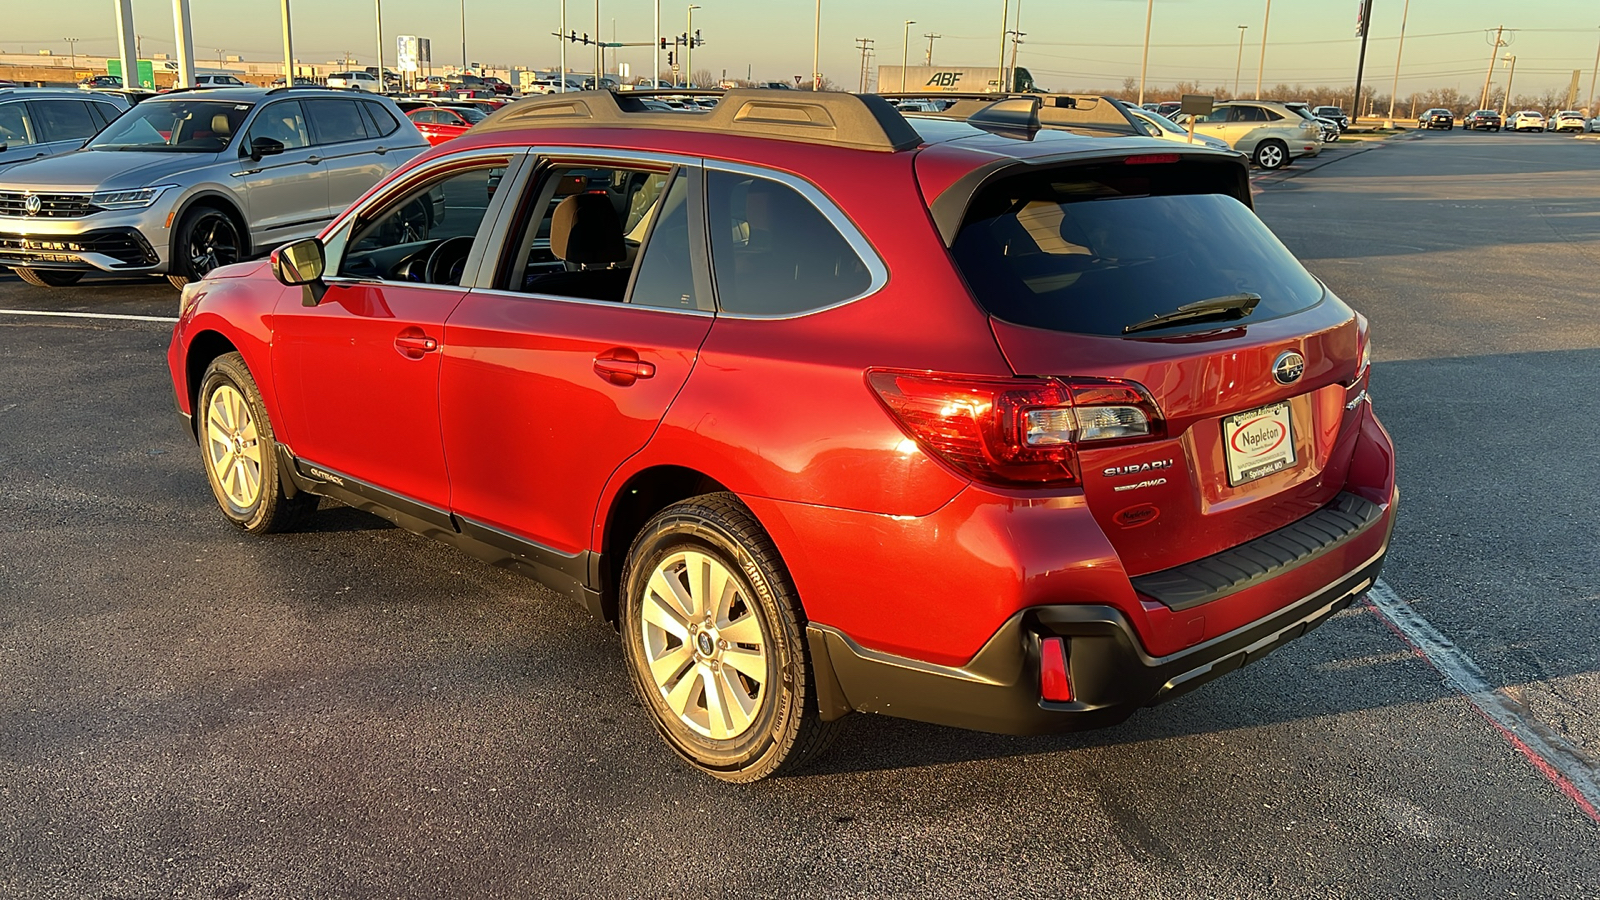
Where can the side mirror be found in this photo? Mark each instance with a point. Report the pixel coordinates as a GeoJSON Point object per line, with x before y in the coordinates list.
{"type": "Point", "coordinates": [302, 263]}
{"type": "Point", "coordinates": [265, 146]}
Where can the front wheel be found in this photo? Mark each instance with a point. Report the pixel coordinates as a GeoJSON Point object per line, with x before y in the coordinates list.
{"type": "Point", "coordinates": [240, 454]}
{"type": "Point", "coordinates": [713, 636]}
{"type": "Point", "coordinates": [1272, 155]}
{"type": "Point", "coordinates": [48, 277]}
{"type": "Point", "coordinates": [205, 239]}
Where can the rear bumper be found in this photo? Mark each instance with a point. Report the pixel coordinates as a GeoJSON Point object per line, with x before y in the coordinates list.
{"type": "Point", "coordinates": [1111, 674]}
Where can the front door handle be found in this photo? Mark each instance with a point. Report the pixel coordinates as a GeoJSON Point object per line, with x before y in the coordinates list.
{"type": "Point", "coordinates": [413, 346]}
{"type": "Point", "coordinates": [313, 160]}
{"type": "Point", "coordinates": [622, 367]}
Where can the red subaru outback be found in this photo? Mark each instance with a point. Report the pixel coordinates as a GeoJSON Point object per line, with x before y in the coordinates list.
{"type": "Point", "coordinates": [828, 409]}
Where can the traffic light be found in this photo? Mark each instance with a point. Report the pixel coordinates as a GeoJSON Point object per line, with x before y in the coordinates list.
{"type": "Point", "coordinates": [663, 43]}
{"type": "Point", "coordinates": [670, 60]}
{"type": "Point", "coordinates": [697, 39]}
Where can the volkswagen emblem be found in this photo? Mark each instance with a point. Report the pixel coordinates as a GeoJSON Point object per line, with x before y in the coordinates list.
{"type": "Point", "coordinates": [1288, 367]}
{"type": "Point", "coordinates": [31, 204]}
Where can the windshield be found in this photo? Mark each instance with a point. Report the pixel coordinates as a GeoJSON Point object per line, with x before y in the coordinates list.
{"type": "Point", "coordinates": [183, 126]}
{"type": "Point", "coordinates": [1160, 121]}
{"type": "Point", "coordinates": [1095, 250]}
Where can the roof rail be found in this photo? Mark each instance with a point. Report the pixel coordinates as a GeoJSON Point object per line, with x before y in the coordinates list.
{"type": "Point", "coordinates": [862, 122]}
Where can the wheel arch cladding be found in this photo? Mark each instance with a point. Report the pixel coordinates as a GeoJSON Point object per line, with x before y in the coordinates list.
{"type": "Point", "coordinates": [644, 494]}
{"type": "Point", "coordinates": [214, 200]}
{"type": "Point", "coordinates": [203, 348]}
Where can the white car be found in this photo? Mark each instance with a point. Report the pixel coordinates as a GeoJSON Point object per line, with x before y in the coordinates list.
{"type": "Point", "coordinates": [552, 85]}
{"type": "Point", "coordinates": [1567, 120]}
{"type": "Point", "coordinates": [361, 81]}
{"type": "Point", "coordinates": [1526, 120]}
{"type": "Point", "coordinates": [216, 81]}
{"type": "Point", "coordinates": [1158, 126]}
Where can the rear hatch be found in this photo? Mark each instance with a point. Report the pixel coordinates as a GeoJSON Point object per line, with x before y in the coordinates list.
{"type": "Point", "coordinates": [1252, 425]}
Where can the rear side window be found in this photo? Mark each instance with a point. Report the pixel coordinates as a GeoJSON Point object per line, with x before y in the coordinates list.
{"type": "Point", "coordinates": [773, 252]}
{"type": "Point", "coordinates": [65, 120]}
{"type": "Point", "coordinates": [105, 112]}
{"type": "Point", "coordinates": [381, 121]}
{"type": "Point", "coordinates": [1093, 250]}
{"type": "Point", "coordinates": [335, 121]}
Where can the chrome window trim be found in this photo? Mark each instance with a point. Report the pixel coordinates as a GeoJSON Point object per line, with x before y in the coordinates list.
{"type": "Point", "coordinates": [529, 295]}
{"type": "Point", "coordinates": [878, 272]}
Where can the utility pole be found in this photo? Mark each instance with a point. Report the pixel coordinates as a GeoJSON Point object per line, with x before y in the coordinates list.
{"type": "Point", "coordinates": [1261, 68]}
{"type": "Point", "coordinates": [1494, 51]}
{"type": "Point", "coordinates": [1594, 99]}
{"type": "Point", "coordinates": [288, 49]}
{"type": "Point", "coordinates": [688, 46]}
{"type": "Point", "coordinates": [1005, 26]}
{"type": "Point", "coordinates": [128, 43]}
{"type": "Point", "coordinates": [185, 35]}
{"type": "Point", "coordinates": [865, 46]}
{"type": "Point", "coordinates": [905, 51]}
{"type": "Point", "coordinates": [599, 49]}
{"type": "Point", "coordinates": [1144, 62]}
{"type": "Point", "coordinates": [1016, 32]}
{"type": "Point", "coordinates": [816, 48]}
{"type": "Point", "coordinates": [1506, 110]}
{"type": "Point", "coordinates": [931, 38]}
{"type": "Point", "coordinates": [1238, 65]}
{"type": "Point", "coordinates": [382, 82]}
{"type": "Point", "coordinates": [1394, 91]}
{"type": "Point", "coordinates": [1361, 63]}
{"type": "Point", "coordinates": [562, 75]}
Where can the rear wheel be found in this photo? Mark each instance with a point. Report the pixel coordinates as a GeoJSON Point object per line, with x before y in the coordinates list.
{"type": "Point", "coordinates": [205, 239]}
{"type": "Point", "coordinates": [240, 454]}
{"type": "Point", "coordinates": [714, 638]}
{"type": "Point", "coordinates": [48, 277]}
{"type": "Point", "coordinates": [1272, 155]}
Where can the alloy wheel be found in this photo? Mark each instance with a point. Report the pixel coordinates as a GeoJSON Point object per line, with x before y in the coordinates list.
{"type": "Point", "coordinates": [233, 446]}
{"type": "Point", "coordinates": [213, 242]}
{"type": "Point", "coordinates": [1271, 156]}
{"type": "Point", "coordinates": [705, 645]}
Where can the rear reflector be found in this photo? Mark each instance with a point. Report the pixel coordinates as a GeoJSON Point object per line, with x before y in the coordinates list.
{"type": "Point", "coordinates": [1054, 685]}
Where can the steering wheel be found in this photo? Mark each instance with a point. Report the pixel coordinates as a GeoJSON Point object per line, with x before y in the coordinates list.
{"type": "Point", "coordinates": [447, 260]}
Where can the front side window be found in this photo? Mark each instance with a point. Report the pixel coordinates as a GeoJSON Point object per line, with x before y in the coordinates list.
{"type": "Point", "coordinates": [335, 121]}
{"type": "Point", "coordinates": [188, 125]}
{"type": "Point", "coordinates": [282, 122]}
{"type": "Point", "coordinates": [426, 236]}
{"type": "Point", "coordinates": [14, 130]}
{"type": "Point", "coordinates": [773, 252]}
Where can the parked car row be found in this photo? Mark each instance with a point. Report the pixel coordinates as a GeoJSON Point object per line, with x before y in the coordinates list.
{"type": "Point", "coordinates": [1567, 120]}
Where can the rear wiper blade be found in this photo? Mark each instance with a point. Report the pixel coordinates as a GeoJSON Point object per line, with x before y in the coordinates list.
{"type": "Point", "coordinates": [1232, 306]}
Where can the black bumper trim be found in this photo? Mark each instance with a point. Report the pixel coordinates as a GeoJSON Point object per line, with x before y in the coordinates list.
{"type": "Point", "coordinates": [1112, 676]}
{"type": "Point", "coordinates": [1214, 577]}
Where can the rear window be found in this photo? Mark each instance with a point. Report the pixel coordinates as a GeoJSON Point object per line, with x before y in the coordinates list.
{"type": "Point", "coordinates": [1091, 251]}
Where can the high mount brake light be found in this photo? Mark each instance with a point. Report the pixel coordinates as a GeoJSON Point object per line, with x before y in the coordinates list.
{"type": "Point", "coordinates": [1151, 159]}
{"type": "Point", "coordinates": [1015, 432]}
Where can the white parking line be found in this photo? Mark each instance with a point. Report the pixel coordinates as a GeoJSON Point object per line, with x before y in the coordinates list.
{"type": "Point", "coordinates": [86, 315]}
{"type": "Point", "coordinates": [1557, 759]}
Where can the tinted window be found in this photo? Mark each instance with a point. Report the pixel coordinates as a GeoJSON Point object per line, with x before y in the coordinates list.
{"type": "Point", "coordinates": [105, 112]}
{"type": "Point", "coordinates": [14, 125]}
{"type": "Point", "coordinates": [335, 121]}
{"type": "Point", "coordinates": [381, 120]}
{"type": "Point", "coordinates": [773, 252]}
{"type": "Point", "coordinates": [282, 122]}
{"type": "Point", "coordinates": [666, 271]}
{"type": "Point", "coordinates": [64, 120]}
{"type": "Point", "coordinates": [1099, 249]}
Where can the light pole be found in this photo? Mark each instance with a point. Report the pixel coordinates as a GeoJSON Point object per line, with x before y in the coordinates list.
{"type": "Point", "coordinates": [288, 49]}
{"type": "Point", "coordinates": [1005, 26]}
{"type": "Point", "coordinates": [561, 77]}
{"type": "Point", "coordinates": [688, 49]}
{"type": "Point", "coordinates": [599, 49]}
{"type": "Point", "coordinates": [383, 85]}
{"type": "Point", "coordinates": [655, 71]}
{"type": "Point", "coordinates": [816, 45]}
{"type": "Point", "coordinates": [463, 34]}
{"type": "Point", "coordinates": [72, 49]}
{"type": "Point", "coordinates": [1144, 62]}
{"type": "Point", "coordinates": [1394, 91]}
{"type": "Point", "coordinates": [1238, 65]}
{"type": "Point", "coordinates": [1594, 99]}
{"type": "Point", "coordinates": [1506, 109]}
{"type": "Point", "coordinates": [905, 54]}
{"type": "Point", "coordinates": [1261, 68]}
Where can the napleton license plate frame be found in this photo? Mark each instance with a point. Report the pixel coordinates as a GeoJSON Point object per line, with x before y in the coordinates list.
{"type": "Point", "coordinates": [1244, 467]}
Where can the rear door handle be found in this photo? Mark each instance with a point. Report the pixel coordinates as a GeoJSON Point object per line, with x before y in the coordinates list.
{"type": "Point", "coordinates": [382, 150]}
{"type": "Point", "coordinates": [622, 367]}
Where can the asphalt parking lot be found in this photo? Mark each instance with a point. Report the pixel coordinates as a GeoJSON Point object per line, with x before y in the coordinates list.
{"type": "Point", "coordinates": [353, 711]}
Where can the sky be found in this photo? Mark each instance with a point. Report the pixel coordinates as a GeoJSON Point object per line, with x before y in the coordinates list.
{"type": "Point", "coordinates": [1067, 44]}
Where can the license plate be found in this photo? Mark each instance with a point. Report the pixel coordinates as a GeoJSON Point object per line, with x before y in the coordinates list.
{"type": "Point", "coordinates": [1258, 443]}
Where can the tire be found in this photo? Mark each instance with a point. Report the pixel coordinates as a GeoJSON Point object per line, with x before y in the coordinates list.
{"type": "Point", "coordinates": [239, 453]}
{"type": "Point", "coordinates": [675, 644]}
{"type": "Point", "coordinates": [1271, 154]}
{"type": "Point", "coordinates": [48, 277]}
{"type": "Point", "coordinates": [206, 238]}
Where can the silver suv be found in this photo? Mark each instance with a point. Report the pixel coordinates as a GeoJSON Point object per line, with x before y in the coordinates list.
{"type": "Point", "coordinates": [192, 180]}
{"type": "Point", "coordinates": [37, 122]}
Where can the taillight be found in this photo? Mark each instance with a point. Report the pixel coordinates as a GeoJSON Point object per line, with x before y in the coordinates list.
{"type": "Point", "coordinates": [1015, 431]}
